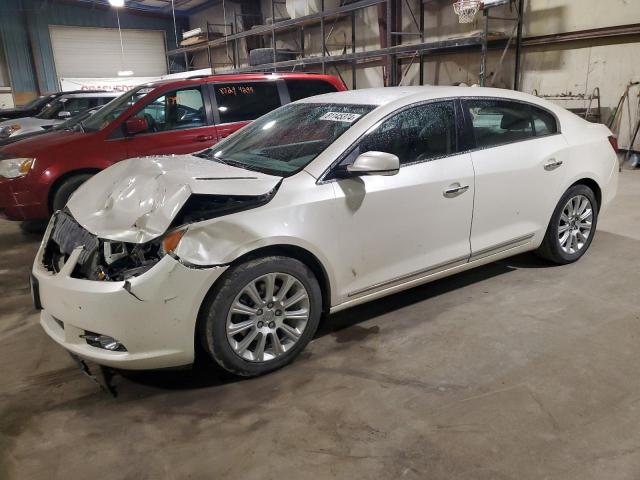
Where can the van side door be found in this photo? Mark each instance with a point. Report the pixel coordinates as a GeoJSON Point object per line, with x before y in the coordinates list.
{"type": "Point", "coordinates": [235, 104]}
{"type": "Point", "coordinates": [178, 122]}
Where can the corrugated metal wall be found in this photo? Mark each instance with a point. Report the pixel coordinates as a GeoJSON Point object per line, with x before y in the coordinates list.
{"type": "Point", "coordinates": [24, 26]}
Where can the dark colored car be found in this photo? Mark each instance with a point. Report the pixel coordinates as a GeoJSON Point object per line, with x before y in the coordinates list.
{"type": "Point", "coordinates": [34, 107]}
{"type": "Point", "coordinates": [39, 174]}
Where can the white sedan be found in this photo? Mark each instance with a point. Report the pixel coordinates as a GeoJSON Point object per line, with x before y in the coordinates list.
{"type": "Point", "coordinates": [321, 205]}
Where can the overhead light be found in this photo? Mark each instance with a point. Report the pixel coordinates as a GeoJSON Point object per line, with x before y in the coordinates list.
{"type": "Point", "coordinates": [125, 73]}
{"type": "Point", "coordinates": [117, 3]}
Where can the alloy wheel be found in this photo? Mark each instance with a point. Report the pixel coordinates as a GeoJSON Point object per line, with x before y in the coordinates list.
{"type": "Point", "coordinates": [268, 317]}
{"type": "Point", "coordinates": [575, 224]}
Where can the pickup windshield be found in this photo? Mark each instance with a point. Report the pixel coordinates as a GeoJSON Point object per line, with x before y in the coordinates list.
{"type": "Point", "coordinates": [286, 140]}
{"type": "Point", "coordinates": [114, 108]}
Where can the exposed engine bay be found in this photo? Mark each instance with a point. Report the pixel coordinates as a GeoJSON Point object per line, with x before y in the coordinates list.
{"type": "Point", "coordinates": [101, 260]}
{"type": "Point", "coordinates": [110, 260]}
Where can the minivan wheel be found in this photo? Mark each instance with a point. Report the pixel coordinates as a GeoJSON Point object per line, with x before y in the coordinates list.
{"type": "Point", "coordinates": [572, 226]}
{"type": "Point", "coordinates": [261, 315]}
{"type": "Point", "coordinates": [66, 189]}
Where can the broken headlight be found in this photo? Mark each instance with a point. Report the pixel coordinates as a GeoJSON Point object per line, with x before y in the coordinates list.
{"type": "Point", "coordinates": [119, 261]}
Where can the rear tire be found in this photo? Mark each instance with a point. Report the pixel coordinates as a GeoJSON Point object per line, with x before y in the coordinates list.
{"type": "Point", "coordinates": [66, 189]}
{"type": "Point", "coordinates": [572, 226]}
{"type": "Point", "coordinates": [261, 315]}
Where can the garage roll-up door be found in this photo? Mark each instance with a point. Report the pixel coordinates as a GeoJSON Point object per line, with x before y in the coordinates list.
{"type": "Point", "coordinates": [95, 52]}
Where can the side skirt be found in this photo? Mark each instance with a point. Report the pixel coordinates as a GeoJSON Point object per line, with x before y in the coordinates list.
{"type": "Point", "coordinates": [508, 249]}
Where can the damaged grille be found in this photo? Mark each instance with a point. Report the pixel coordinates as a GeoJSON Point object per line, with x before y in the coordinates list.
{"type": "Point", "coordinates": [68, 235]}
{"type": "Point", "coordinates": [99, 259]}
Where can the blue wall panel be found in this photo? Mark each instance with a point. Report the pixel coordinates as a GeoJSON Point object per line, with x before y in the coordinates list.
{"type": "Point", "coordinates": [15, 41]}
{"type": "Point", "coordinates": [25, 21]}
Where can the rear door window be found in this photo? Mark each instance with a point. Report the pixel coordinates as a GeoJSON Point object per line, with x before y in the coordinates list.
{"type": "Point", "coordinates": [299, 89]}
{"type": "Point", "coordinates": [499, 122]}
{"type": "Point", "coordinates": [245, 101]}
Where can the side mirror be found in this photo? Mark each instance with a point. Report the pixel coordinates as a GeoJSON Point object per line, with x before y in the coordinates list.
{"type": "Point", "coordinates": [64, 114]}
{"type": "Point", "coordinates": [136, 125]}
{"type": "Point", "coordinates": [375, 163]}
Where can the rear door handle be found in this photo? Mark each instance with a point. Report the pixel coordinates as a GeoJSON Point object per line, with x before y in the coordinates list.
{"type": "Point", "coordinates": [552, 164]}
{"type": "Point", "coordinates": [455, 190]}
{"type": "Point", "coordinates": [204, 138]}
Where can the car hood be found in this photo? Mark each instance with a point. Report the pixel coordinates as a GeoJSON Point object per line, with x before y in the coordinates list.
{"type": "Point", "coordinates": [29, 123]}
{"type": "Point", "coordinates": [46, 143]}
{"type": "Point", "coordinates": [136, 200]}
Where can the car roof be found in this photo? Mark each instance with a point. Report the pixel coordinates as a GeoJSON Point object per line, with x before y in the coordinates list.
{"type": "Point", "coordinates": [386, 95]}
{"type": "Point", "coordinates": [91, 94]}
{"type": "Point", "coordinates": [235, 77]}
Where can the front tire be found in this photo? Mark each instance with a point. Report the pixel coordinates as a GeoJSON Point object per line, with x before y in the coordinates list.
{"type": "Point", "coordinates": [261, 315]}
{"type": "Point", "coordinates": [572, 226]}
{"type": "Point", "coordinates": [66, 189]}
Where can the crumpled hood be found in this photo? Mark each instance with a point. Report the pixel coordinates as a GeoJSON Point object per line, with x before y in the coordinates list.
{"type": "Point", "coordinates": [137, 199]}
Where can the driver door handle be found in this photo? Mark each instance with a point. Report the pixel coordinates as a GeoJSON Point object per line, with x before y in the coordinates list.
{"type": "Point", "coordinates": [552, 164]}
{"type": "Point", "coordinates": [204, 138]}
{"type": "Point", "coordinates": [455, 190]}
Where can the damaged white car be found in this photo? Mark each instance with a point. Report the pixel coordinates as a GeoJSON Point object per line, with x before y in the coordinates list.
{"type": "Point", "coordinates": [320, 205]}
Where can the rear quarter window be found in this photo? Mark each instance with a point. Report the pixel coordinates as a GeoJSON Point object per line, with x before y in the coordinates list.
{"type": "Point", "coordinates": [245, 101]}
{"type": "Point", "coordinates": [544, 122]}
{"type": "Point", "coordinates": [499, 122]}
{"type": "Point", "coordinates": [299, 89]}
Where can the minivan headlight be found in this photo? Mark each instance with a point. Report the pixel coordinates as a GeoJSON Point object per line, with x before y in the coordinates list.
{"type": "Point", "coordinates": [16, 167]}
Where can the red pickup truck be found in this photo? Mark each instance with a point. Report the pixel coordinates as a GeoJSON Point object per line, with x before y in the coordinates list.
{"type": "Point", "coordinates": [39, 174]}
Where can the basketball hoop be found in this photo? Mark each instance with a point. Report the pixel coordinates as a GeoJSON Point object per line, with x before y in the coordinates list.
{"type": "Point", "coordinates": [466, 9]}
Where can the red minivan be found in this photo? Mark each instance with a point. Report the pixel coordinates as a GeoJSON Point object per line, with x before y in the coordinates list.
{"type": "Point", "coordinates": [38, 174]}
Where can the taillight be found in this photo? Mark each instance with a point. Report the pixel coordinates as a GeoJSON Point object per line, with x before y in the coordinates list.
{"type": "Point", "coordinates": [614, 143]}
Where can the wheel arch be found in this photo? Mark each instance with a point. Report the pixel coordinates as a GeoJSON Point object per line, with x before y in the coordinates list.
{"type": "Point", "coordinates": [63, 178]}
{"type": "Point", "coordinates": [593, 185]}
{"type": "Point", "coordinates": [298, 253]}
{"type": "Point", "coordinates": [288, 250]}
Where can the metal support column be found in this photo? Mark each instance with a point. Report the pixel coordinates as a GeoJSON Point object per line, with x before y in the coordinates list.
{"type": "Point", "coordinates": [485, 49]}
{"type": "Point", "coordinates": [422, 41]}
{"type": "Point", "coordinates": [516, 80]}
{"type": "Point", "coordinates": [353, 49]}
{"type": "Point", "coordinates": [273, 33]}
{"type": "Point", "coordinates": [391, 58]}
{"type": "Point", "coordinates": [322, 34]}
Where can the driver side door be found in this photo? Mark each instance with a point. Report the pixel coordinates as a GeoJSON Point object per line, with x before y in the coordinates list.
{"type": "Point", "coordinates": [178, 122]}
{"type": "Point", "coordinates": [395, 229]}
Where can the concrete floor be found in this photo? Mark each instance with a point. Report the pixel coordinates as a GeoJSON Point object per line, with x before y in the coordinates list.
{"type": "Point", "coordinates": [517, 370]}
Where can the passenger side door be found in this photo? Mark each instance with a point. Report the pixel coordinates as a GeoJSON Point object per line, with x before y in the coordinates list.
{"type": "Point", "coordinates": [235, 104]}
{"type": "Point", "coordinates": [393, 229]}
{"type": "Point", "coordinates": [178, 122]}
{"type": "Point", "coordinates": [518, 160]}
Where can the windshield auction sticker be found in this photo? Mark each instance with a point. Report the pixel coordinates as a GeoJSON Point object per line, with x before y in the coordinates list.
{"type": "Point", "coordinates": [340, 117]}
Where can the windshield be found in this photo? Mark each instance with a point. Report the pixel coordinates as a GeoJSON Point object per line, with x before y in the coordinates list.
{"type": "Point", "coordinates": [286, 140]}
{"type": "Point", "coordinates": [52, 109]}
{"type": "Point", "coordinates": [114, 108]}
{"type": "Point", "coordinates": [74, 121]}
{"type": "Point", "coordinates": [36, 103]}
